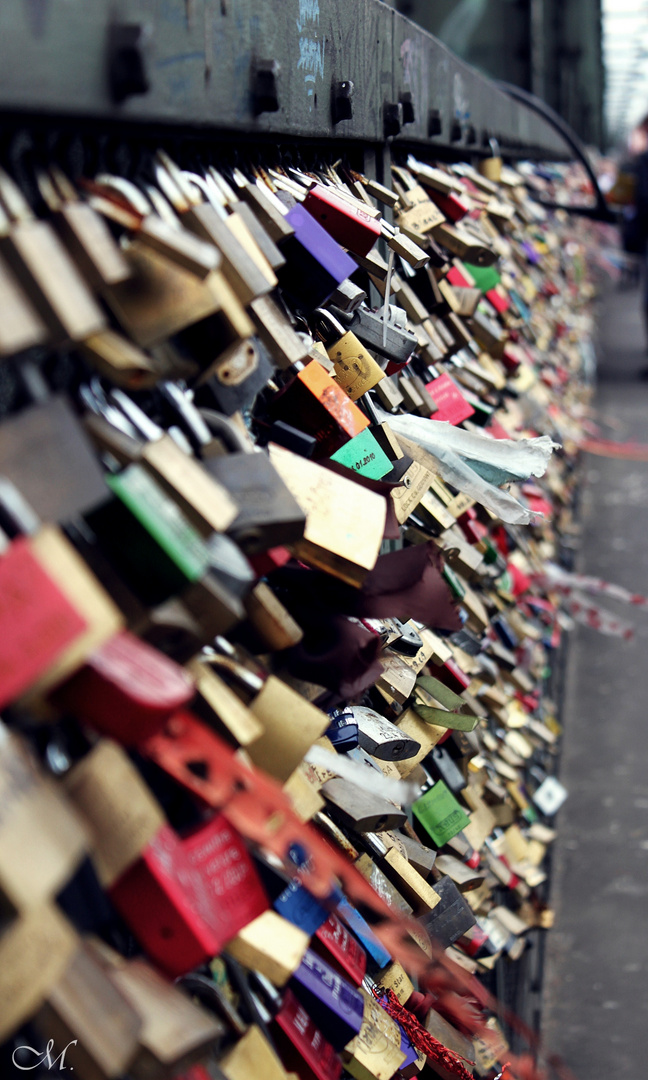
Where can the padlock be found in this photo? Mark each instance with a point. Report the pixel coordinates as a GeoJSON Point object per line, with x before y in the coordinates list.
{"type": "Point", "coordinates": [345, 522]}
{"type": "Point", "coordinates": [269, 624]}
{"type": "Point", "coordinates": [391, 338]}
{"type": "Point", "coordinates": [462, 244]}
{"type": "Point", "coordinates": [270, 946]}
{"type": "Point", "coordinates": [126, 690]}
{"type": "Point", "coordinates": [355, 368]}
{"type": "Point", "coordinates": [268, 514]}
{"type": "Point", "coordinates": [82, 230]}
{"type": "Point", "coordinates": [290, 723]}
{"type": "Point", "coordinates": [291, 899]}
{"type": "Point", "coordinates": [169, 555]}
{"type": "Point", "coordinates": [403, 246]}
{"type": "Point", "coordinates": [343, 730]}
{"type": "Point", "coordinates": [21, 326]}
{"type": "Point", "coordinates": [419, 214]}
{"type": "Point", "coordinates": [243, 211]}
{"type": "Point", "coordinates": [175, 1030]}
{"type": "Point", "coordinates": [451, 918]}
{"type": "Point", "coordinates": [243, 266]}
{"type": "Point", "coordinates": [410, 884]}
{"type": "Point", "coordinates": [380, 738]}
{"type": "Point", "coordinates": [119, 833]}
{"type": "Point", "coordinates": [441, 766]}
{"type": "Point", "coordinates": [491, 167]}
{"type": "Point", "coordinates": [376, 1050]}
{"type": "Point", "coordinates": [45, 270]}
{"type": "Point", "coordinates": [160, 298]}
{"type": "Point", "coordinates": [169, 906]}
{"type": "Point", "coordinates": [490, 335]}
{"type": "Point", "coordinates": [422, 858]}
{"type": "Point", "coordinates": [360, 810]}
{"type": "Point", "coordinates": [267, 208]}
{"type": "Point", "coordinates": [455, 204]}
{"type": "Point", "coordinates": [348, 296]}
{"type": "Point", "coordinates": [336, 1007]}
{"type": "Point", "coordinates": [346, 221]}
{"type": "Point", "coordinates": [36, 817]}
{"type": "Point", "coordinates": [122, 202]}
{"type": "Point", "coordinates": [465, 877]}
{"type": "Point", "coordinates": [35, 950]}
{"type": "Point", "coordinates": [45, 452]}
{"type": "Point", "coordinates": [315, 263]}
{"type": "Point", "coordinates": [459, 1044]}
{"type": "Point", "coordinates": [316, 403]}
{"type": "Point", "coordinates": [120, 359]}
{"type": "Point", "coordinates": [439, 814]}
{"type": "Point", "coordinates": [301, 1045]}
{"type": "Point", "coordinates": [147, 537]}
{"type": "Point", "coordinates": [333, 941]}
{"type": "Point", "coordinates": [206, 502]}
{"type": "Point", "coordinates": [232, 382]}
{"type": "Point", "coordinates": [363, 455]}
{"type": "Point", "coordinates": [220, 707]}
{"type": "Point", "coordinates": [437, 704]}
{"type": "Point", "coordinates": [276, 332]}
{"type": "Point", "coordinates": [85, 1013]}
{"type": "Point", "coordinates": [55, 613]}
{"type": "Point", "coordinates": [221, 858]}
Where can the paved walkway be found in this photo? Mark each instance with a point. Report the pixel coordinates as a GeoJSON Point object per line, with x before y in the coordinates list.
{"type": "Point", "coordinates": [596, 986]}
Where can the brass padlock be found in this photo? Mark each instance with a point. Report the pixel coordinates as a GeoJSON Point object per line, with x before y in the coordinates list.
{"type": "Point", "coordinates": [45, 270]}
{"type": "Point", "coordinates": [21, 326]}
{"type": "Point", "coordinates": [123, 202]}
{"type": "Point", "coordinates": [37, 818]}
{"type": "Point", "coordinates": [244, 267]}
{"type": "Point", "coordinates": [345, 522]}
{"type": "Point", "coordinates": [290, 723]}
{"type": "Point", "coordinates": [356, 371]}
{"type": "Point", "coordinates": [82, 230]}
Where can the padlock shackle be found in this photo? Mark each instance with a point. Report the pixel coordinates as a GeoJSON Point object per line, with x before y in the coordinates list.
{"type": "Point", "coordinates": [212, 997]}
{"type": "Point", "coordinates": [128, 191]}
{"type": "Point", "coordinates": [224, 427]}
{"type": "Point", "coordinates": [327, 326]}
{"type": "Point", "coordinates": [247, 679]}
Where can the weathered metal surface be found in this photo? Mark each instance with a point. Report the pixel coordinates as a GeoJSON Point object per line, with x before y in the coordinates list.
{"type": "Point", "coordinates": [200, 58]}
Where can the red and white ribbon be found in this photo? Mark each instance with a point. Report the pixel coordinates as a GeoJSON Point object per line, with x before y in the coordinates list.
{"type": "Point", "coordinates": [582, 610]}
{"type": "Point", "coordinates": [555, 579]}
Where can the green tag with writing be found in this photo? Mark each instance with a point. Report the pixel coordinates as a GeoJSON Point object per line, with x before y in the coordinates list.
{"type": "Point", "coordinates": [440, 814]}
{"type": "Point", "coordinates": [364, 456]}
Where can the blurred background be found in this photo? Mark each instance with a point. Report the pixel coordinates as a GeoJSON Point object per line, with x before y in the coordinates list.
{"type": "Point", "coordinates": [585, 58]}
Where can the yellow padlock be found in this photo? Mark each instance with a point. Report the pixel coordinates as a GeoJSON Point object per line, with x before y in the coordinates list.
{"type": "Point", "coordinates": [356, 371]}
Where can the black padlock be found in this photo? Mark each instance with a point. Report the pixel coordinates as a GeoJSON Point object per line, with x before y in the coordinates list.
{"type": "Point", "coordinates": [392, 340]}
{"type": "Point", "coordinates": [236, 377]}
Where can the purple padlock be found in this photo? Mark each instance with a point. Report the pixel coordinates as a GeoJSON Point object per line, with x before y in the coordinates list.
{"type": "Point", "coordinates": [336, 1007]}
{"type": "Point", "coordinates": [315, 262]}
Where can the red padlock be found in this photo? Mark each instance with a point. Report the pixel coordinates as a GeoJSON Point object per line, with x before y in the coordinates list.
{"type": "Point", "coordinates": [334, 942]}
{"type": "Point", "coordinates": [126, 690]}
{"type": "Point", "coordinates": [454, 206]}
{"type": "Point", "coordinates": [352, 227]}
{"type": "Point", "coordinates": [302, 1046]}
{"type": "Point", "coordinates": [37, 622]}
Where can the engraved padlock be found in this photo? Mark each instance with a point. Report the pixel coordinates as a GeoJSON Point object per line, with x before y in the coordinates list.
{"type": "Point", "coordinates": [356, 371]}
